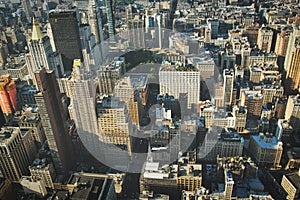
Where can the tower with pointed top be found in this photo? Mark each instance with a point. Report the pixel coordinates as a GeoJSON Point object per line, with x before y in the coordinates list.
{"type": "Point", "coordinates": [41, 53]}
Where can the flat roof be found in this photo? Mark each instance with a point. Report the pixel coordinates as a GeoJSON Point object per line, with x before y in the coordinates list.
{"type": "Point", "coordinates": [138, 80]}
{"type": "Point", "coordinates": [151, 166]}
{"type": "Point", "coordinates": [271, 144]}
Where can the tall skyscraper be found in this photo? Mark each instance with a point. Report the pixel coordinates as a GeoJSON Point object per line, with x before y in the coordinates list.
{"type": "Point", "coordinates": [136, 30]}
{"type": "Point", "coordinates": [83, 89]}
{"type": "Point", "coordinates": [65, 31]}
{"type": "Point", "coordinates": [175, 78]}
{"type": "Point", "coordinates": [54, 119]}
{"type": "Point", "coordinates": [17, 151]}
{"type": "Point", "coordinates": [292, 62]}
{"type": "Point", "coordinates": [228, 86]}
{"type": "Point", "coordinates": [41, 53]}
{"type": "Point", "coordinates": [8, 95]}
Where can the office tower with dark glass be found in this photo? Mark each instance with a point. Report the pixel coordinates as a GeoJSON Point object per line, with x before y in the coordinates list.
{"type": "Point", "coordinates": [65, 31]}
{"type": "Point", "coordinates": [53, 120]}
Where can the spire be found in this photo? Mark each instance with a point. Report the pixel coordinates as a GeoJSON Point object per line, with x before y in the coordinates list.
{"type": "Point", "coordinates": [36, 31]}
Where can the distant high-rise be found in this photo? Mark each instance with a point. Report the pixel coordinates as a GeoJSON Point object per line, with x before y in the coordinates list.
{"type": "Point", "coordinates": [240, 118]}
{"type": "Point", "coordinates": [136, 30]}
{"type": "Point", "coordinates": [95, 21]}
{"type": "Point", "coordinates": [8, 95]}
{"type": "Point", "coordinates": [266, 150]}
{"type": "Point", "coordinates": [17, 151]}
{"type": "Point", "coordinates": [111, 111]}
{"type": "Point", "coordinates": [213, 25]}
{"type": "Point", "coordinates": [292, 62]}
{"type": "Point", "coordinates": [53, 119]}
{"type": "Point", "coordinates": [27, 8]}
{"type": "Point", "coordinates": [65, 31]}
{"type": "Point", "coordinates": [110, 20]}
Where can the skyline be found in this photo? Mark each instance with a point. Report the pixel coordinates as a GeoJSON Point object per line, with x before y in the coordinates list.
{"type": "Point", "coordinates": [178, 100]}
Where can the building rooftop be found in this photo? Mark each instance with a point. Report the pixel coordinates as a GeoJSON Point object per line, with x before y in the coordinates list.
{"type": "Point", "coordinates": [89, 187]}
{"type": "Point", "coordinates": [6, 133]}
{"type": "Point", "coordinates": [40, 163]}
{"type": "Point", "coordinates": [138, 80]}
{"type": "Point", "coordinates": [229, 134]}
{"type": "Point", "coordinates": [177, 66]}
{"type": "Point", "coordinates": [266, 141]}
{"type": "Point", "coordinates": [110, 102]}
{"type": "Point", "coordinates": [153, 170]}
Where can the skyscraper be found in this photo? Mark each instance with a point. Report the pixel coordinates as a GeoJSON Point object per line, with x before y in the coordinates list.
{"type": "Point", "coordinates": [65, 31]}
{"type": "Point", "coordinates": [292, 62]}
{"type": "Point", "coordinates": [175, 78]}
{"type": "Point", "coordinates": [83, 89]}
{"type": "Point", "coordinates": [41, 53]}
{"type": "Point", "coordinates": [292, 112]}
{"type": "Point", "coordinates": [136, 30]}
{"type": "Point", "coordinates": [53, 120]}
{"type": "Point", "coordinates": [126, 92]}
{"type": "Point", "coordinates": [115, 127]}
{"type": "Point", "coordinates": [94, 17]}
{"type": "Point", "coordinates": [27, 8]}
{"type": "Point", "coordinates": [8, 95]}
{"type": "Point", "coordinates": [17, 151]}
